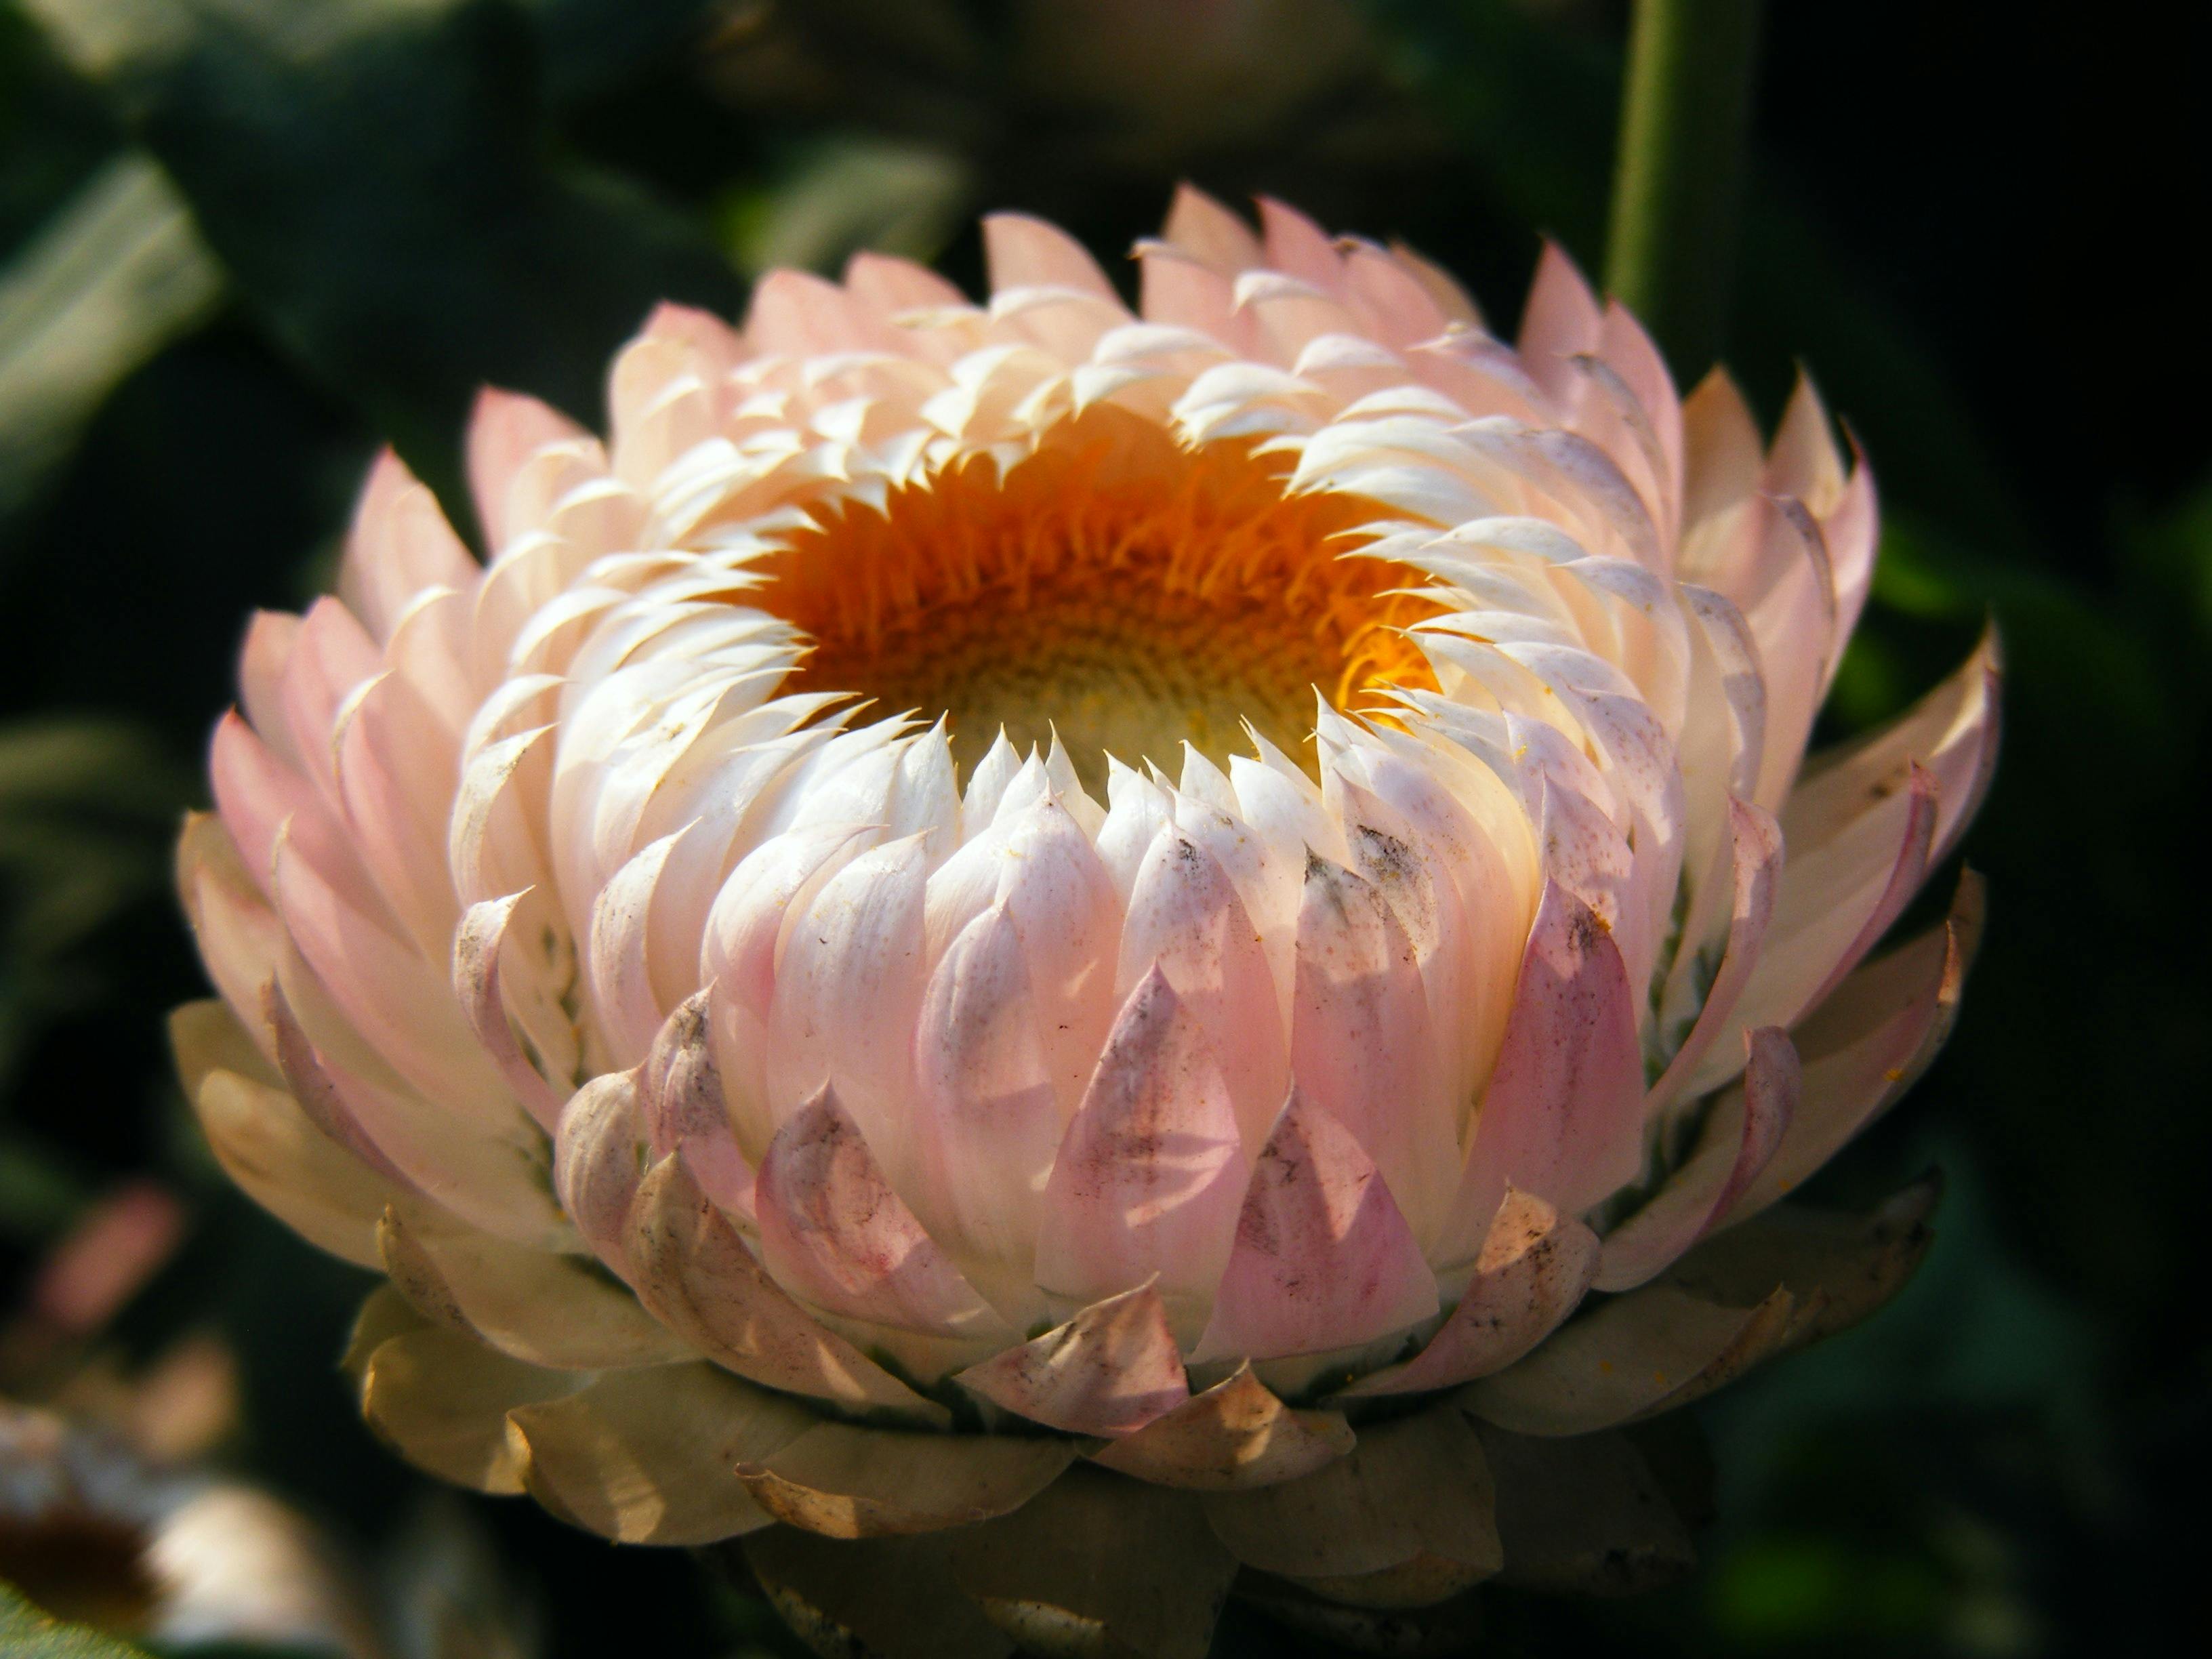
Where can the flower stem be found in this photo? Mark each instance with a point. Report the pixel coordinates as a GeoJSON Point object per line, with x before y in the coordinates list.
{"type": "Point", "coordinates": [1672, 249]}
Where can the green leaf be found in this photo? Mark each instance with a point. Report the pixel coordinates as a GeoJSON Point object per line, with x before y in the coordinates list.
{"type": "Point", "coordinates": [376, 177]}
{"type": "Point", "coordinates": [28, 1634]}
{"type": "Point", "coordinates": [846, 195]}
{"type": "Point", "coordinates": [117, 275]}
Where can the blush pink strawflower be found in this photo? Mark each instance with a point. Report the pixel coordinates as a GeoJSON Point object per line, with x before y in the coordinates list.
{"type": "Point", "coordinates": [1022, 906]}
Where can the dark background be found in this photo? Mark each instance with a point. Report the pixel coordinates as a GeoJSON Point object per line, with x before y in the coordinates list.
{"type": "Point", "coordinates": [1980, 226]}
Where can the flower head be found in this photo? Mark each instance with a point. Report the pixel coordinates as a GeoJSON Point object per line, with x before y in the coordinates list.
{"type": "Point", "coordinates": [1027, 904]}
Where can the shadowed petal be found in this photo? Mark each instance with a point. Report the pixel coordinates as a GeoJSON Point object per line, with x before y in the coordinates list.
{"type": "Point", "coordinates": [1742, 1135]}
{"type": "Point", "coordinates": [1535, 1267]}
{"type": "Point", "coordinates": [1109, 1370]}
{"type": "Point", "coordinates": [1323, 1258]}
{"type": "Point", "coordinates": [834, 1233]}
{"type": "Point", "coordinates": [1563, 1116]}
{"type": "Point", "coordinates": [1151, 1173]}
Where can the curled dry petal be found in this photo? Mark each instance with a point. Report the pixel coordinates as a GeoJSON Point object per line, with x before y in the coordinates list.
{"type": "Point", "coordinates": [1535, 1267]}
{"type": "Point", "coordinates": [1109, 1370]}
{"type": "Point", "coordinates": [843, 1481]}
{"type": "Point", "coordinates": [651, 1457]}
{"type": "Point", "coordinates": [1646, 1352]}
{"type": "Point", "coordinates": [1235, 1434]}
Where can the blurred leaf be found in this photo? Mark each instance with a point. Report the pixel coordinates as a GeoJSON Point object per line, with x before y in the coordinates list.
{"type": "Point", "coordinates": [118, 274]}
{"type": "Point", "coordinates": [2171, 554]}
{"type": "Point", "coordinates": [374, 176]}
{"type": "Point", "coordinates": [86, 812]}
{"type": "Point", "coordinates": [27, 1633]}
{"type": "Point", "coordinates": [847, 195]}
{"type": "Point", "coordinates": [38, 1197]}
{"type": "Point", "coordinates": [54, 135]}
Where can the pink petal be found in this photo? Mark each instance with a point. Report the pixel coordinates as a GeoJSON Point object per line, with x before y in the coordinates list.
{"type": "Point", "coordinates": [1833, 905]}
{"type": "Point", "coordinates": [1755, 841]}
{"type": "Point", "coordinates": [1562, 1117]}
{"type": "Point", "coordinates": [1789, 598]}
{"type": "Point", "coordinates": [796, 314]}
{"type": "Point", "coordinates": [1439, 868]}
{"type": "Point", "coordinates": [987, 1119]}
{"type": "Point", "coordinates": [310, 1085]}
{"type": "Point", "coordinates": [1399, 309]}
{"type": "Point", "coordinates": [398, 1001]}
{"type": "Point", "coordinates": [1629, 351]}
{"type": "Point", "coordinates": [1186, 919]}
{"type": "Point", "coordinates": [1852, 529]}
{"type": "Point", "coordinates": [847, 995]}
{"type": "Point", "coordinates": [1741, 1138]}
{"type": "Point", "coordinates": [1442, 288]}
{"type": "Point", "coordinates": [400, 545]}
{"type": "Point", "coordinates": [261, 799]}
{"type": "Point", "coordinates": [1210, 233]}
{"type": "Point", "coordinates": [1061, 902]}
{"type": "Point", "coordinates": [398, 766]}
{"type": "Point", "coordinates": [623, 997]}
{"type": "Point", "coordinates": [480, 1158]}
{"type": "Point", "coordinates": [1734, 699]}
{"type": "Point", "coordinates": [240, 937]}
{"type": "Point", "coordinates": [1804, 461]}
{"type": "Point", "coordinates": [1295, 245]}
{"type": "Point", "coordinates": [492, 842]}
{"type": "Point", "coordinates": [270, 638]}
{"type": "Point", "coordinates": [713, 341]}
{"type": "Point", "coordinates": [1535, 1267]}
{"type": "Point", "coordinates": [598, 1155]}
{"type": "Point", "coordinates": [1180, 292]}
{"type": "Point", "coordinates": [1025, 253]}
{"type": "Point", "coordinates": [505, 429]}
{"type": "Point", "coordinates": [680, 1099]}
{"type": "Point", "coordinates": [1109, 1370]}
{"type": "Point", "coordinates": [691, 1268]}
{"type": "Point", "coordinates": [478, 947]}
{"type": "Point", "coordinates": [1863, 1047]}
{"type": "Point", "coordinates": [773, 883]}
{"type": "Point", "coordinates": [331, 657]}
{"type": "Point", "coordinates": [894, 286]}
{"type": "Point", "coordinates": [833, 1233]}
{"type": "Point", "coordinates": [772, 888]}
{"type": "Point", "coordinates": [1952, 731]}
{"type": "Point", "coordinates": [1561, 321]}
{"type": "Point", "coordinates": [1361, 1047]}
{"type": "Point", "coordinates": [1721, 447]}
{"type": "Point", "coordinates": [1152, 1172]}
{"type": "Point", "coordinates": [1323, 1259]}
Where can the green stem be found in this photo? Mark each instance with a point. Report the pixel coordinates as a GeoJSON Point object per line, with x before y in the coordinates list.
{"type": "Point", "coordinates": [1672, 249]}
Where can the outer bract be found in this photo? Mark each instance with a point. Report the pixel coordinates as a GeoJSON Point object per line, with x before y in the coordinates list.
{"type": "Point", "coordinates": [1026, 908]}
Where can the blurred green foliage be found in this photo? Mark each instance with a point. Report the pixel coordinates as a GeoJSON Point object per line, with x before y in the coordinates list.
{"type": "Point", "coordinates": [27, 1633]}
{"type": "Point", "coordinates": [242, 241]}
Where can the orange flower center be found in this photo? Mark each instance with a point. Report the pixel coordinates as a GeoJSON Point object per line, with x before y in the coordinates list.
{"type": "Point", "coordinates": [1113, 586]}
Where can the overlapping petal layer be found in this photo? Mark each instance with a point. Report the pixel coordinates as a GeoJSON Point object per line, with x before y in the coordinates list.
{"type": "Point", "coordinates": [837, 920]}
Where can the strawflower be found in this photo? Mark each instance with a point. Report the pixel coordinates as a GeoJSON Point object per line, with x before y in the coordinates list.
{"type": "Point", "coordinates": [1048, 961]}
